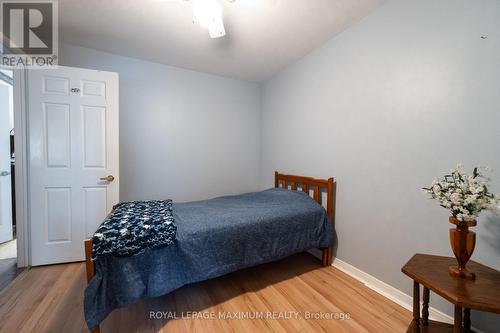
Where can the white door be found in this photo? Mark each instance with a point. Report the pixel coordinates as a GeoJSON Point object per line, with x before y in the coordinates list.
{"type": "Point", "coordinates": [73, 145]}
{"type": "Point", "coordinates": [5, 176]}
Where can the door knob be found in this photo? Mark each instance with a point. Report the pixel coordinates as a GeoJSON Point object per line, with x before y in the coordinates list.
{"type": "Point", "coordinates": [4, 173]}
{"type": "Point", "coordinates": [109, 178]}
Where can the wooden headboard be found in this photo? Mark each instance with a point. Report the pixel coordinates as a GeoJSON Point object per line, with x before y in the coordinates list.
{"type": "Point", "coordinates": [307, 183]}
{"type": "Point", "coordinates": [317, 185]}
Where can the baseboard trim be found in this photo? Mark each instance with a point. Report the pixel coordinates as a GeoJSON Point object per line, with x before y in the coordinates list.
{"type": "Point", "coordinates": [395, 295]}
{"type": "Point", "coordinates": [388, 291]}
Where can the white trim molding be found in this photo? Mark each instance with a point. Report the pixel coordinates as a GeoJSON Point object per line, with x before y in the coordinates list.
{"type": "Point", "coordinates": [395, 295]}
{"type": "Point", "coordinates": [21, 170]}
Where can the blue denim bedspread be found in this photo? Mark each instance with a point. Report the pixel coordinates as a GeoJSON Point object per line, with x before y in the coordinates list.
{"type": "Point", "coordinates": [214, 237]}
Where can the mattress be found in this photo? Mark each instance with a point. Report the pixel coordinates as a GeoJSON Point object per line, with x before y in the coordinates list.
{"type": "Point", "coordinates": [214, 237]}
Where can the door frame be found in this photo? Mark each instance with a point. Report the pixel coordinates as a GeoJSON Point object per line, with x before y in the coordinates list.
{"type": "Point", "coordinates": [21, 168]}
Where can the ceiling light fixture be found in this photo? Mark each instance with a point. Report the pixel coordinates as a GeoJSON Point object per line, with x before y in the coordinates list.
{"type": "Point", "coordinates": [208, 13]}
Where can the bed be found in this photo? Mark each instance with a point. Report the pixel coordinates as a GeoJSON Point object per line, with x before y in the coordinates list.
{"type": "Point", "coordinates": [216, 237]}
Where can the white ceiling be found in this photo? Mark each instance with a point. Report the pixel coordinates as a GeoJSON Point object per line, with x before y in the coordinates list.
{"type": "Point", "coordinates": [263, 36]}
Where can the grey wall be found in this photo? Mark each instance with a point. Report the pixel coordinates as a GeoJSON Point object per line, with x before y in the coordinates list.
{"type": "Point", "coordinates": [183, 135]}
{"type": "Point", "coordinates": [385, 107]}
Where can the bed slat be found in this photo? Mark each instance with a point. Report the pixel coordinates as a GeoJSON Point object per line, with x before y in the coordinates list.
{"type": "Point", "coordinates": [305, 183]}
{"type": "Point", "coordinates": [316, 194]}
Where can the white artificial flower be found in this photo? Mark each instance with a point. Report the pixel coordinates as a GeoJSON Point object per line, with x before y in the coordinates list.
{"type": "Point", "coordinates": [446, 203]}
{"type": "Point", "coordinates": [470, 217]}
{"type": "Point", "coordinates": [146, 226]}
{"type": "Point", "coordinates": [124, 231]}
{"type": "Point", "coordinates": [465, 195]}
{"type": "Point", "coordinates": [99, 235]}
{"type": "Point", "coordinates": [471, 199]}
{"type": "Point", "coordinates": [436, 189]}
{"type": "Point", "coordinates": [475, 189]}
{"type": "Point", "coordinates": [455, 198]}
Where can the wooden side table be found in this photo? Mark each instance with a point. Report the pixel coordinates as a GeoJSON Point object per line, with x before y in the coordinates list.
{"type": "Point", "coordinates": [431, 272]}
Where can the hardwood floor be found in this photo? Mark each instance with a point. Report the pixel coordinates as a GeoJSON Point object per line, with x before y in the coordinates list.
{"type": "Point", "coordinates": [49, 299]}
{"type": "Point", "coordinates": [8, 271]}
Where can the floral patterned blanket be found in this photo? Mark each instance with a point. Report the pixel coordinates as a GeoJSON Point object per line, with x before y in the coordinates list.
{"type": "Point", "coordinates": [133, 227]}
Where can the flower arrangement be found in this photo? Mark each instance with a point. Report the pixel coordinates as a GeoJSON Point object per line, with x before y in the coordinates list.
{"type": "Point", "coordinates": [465, 195]}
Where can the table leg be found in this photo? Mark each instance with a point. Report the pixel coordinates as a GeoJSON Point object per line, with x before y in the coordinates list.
{"type": "Point", "coordinates": [457, 327]}
{"type": "Point", "coordinates": [467, 322]}
{"type": "Point", "coordinates": [425, 307]}
{"type": "Point", "coordinates": [416, 302]}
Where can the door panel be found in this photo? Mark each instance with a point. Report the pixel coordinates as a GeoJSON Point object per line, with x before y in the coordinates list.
{"type": "Point", "coordinates": [73, 126]}
{"type": "Point", "coordinates": [94, 137]}
{"type": "Point", "coordinates": [93, 88]}
{"type": "Point", "coordinates": [55, 85]}
{"type": "Point", "coordinates": [95, 208]}
{"type": "Point", "coordinates": [57, 132]}
{"type": "Point", "coordinates": [58, 218]}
